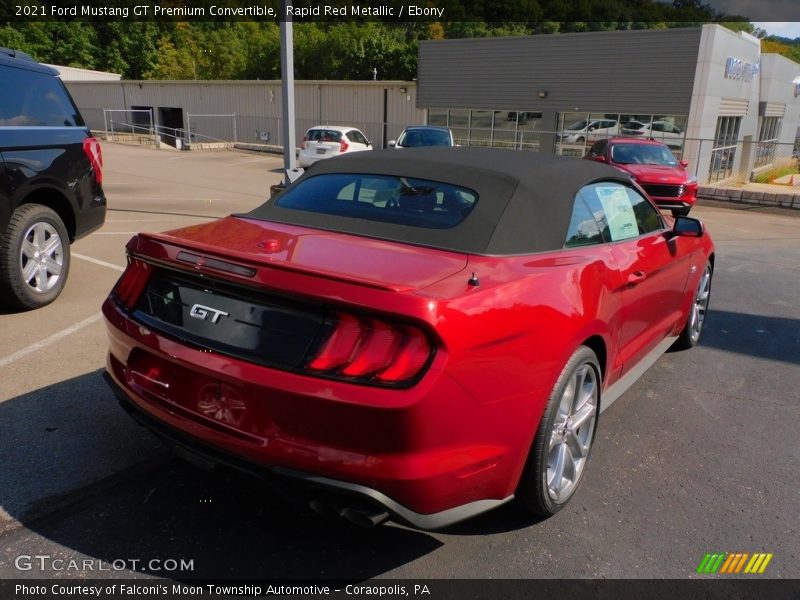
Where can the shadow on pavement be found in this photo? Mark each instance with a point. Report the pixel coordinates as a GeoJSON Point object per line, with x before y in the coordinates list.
{"type": "Point", "coordinates": [759, 336]}
{"type": "Point", "coordinates": [136, 503]}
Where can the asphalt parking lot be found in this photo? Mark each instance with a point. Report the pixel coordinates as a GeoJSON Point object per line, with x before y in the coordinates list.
{"type": "Point", "coordinates": [701, 455]}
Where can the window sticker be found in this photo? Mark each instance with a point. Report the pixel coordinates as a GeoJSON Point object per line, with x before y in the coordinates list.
{"type": "Point", "coordinates": [619, 213]}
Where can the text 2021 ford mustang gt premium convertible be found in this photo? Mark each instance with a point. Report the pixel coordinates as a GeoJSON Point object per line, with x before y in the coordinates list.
{"type": "Point", "coordinates": [420, 335]}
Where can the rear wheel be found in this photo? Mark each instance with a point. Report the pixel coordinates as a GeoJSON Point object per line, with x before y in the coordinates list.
{"type": "Point", "coordinates": [564, 438]}
{"type": "Point", "coordinates": [690, 336]}
{"type": "Point", "coordinates": [34, 257]}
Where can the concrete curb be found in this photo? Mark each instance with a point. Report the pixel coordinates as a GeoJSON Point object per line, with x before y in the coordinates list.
{"type": "Point", "coordinates": [755, 197]}
{"type": "Point", "coordinates": [259, 148]}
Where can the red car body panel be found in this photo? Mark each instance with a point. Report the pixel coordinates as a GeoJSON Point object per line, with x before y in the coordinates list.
{"type": "Point", "coordinates": [461, 433]}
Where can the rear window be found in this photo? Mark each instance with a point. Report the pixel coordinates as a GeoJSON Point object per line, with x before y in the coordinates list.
{"type": "Point", "coordinates": [424, 137]}
{"type": "Point", "coordinates": [324, 135]}
{"type": "Point", "coordinates": [384, 198]}
{"type": "Point", "coordinates": [30, 99]}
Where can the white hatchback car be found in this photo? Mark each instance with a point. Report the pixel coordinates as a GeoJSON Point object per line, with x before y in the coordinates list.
{"type": "Point", "coordinates": [326, 141]}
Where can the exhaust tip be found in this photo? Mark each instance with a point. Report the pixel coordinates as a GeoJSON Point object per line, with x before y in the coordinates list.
{"type": "Point", "coordinates": [365, 516]}
{"type": "Point", "coordinates": [329, 507]}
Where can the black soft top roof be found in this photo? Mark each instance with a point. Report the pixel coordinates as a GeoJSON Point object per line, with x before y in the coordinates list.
{"type": "Point", "coordinates": [524, 203]}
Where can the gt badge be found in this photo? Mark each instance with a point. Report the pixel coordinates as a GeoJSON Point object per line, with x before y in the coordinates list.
{"type": "Point", "coordinates": [198, 311]}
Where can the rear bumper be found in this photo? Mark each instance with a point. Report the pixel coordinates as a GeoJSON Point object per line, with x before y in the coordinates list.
{"type": "Point", "coordinates": [431, 455]}
{"type": "Point", "coordinates": [292, 482]}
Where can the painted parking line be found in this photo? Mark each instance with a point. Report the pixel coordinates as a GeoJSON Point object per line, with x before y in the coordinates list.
{"type": "Point", "coordinates": [48, 341]}
{"type": "Point", "coordinates": [96, 261]}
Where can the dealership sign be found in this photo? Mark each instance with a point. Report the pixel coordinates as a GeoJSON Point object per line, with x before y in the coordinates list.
{"type": "Point", "coordinates": [736, 68]}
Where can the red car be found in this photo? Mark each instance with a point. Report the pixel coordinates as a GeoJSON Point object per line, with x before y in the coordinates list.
{"type": "Point", "coordinates": [654, 167]}
{"type": "Point", "coordinates": [420, 335]}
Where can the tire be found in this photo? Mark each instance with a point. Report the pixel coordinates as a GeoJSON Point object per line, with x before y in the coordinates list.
{"type": "Point", "coordinates": [681, 212]}
{"type": "Point", "coordinates": [690, 335]}
{"type": "Point", "coordinates": [560, 442]}
{"type": "Point", "coordinates": [34, 257]}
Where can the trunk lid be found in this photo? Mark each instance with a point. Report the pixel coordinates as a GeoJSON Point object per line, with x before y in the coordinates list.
{"type": "Point", "coordinates": [366, 261]}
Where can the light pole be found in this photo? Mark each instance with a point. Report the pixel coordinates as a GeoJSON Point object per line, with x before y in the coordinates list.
{"type": "Point", "coordinates": [287, 89]}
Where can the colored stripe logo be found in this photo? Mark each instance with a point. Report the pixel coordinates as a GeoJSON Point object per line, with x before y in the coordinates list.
{"type": "Point", "coordinates": [730, 563]}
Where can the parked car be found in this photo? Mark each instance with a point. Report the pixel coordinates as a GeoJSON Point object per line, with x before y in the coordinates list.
{"type": "Point", "coordinates": [581, 131]}
{"type": "Point", "coordinates": [420, 335]}
{"type": "Point", "coordinates": [325, 142]}
{"type": "Point", "coordinates": [423, 135]}
{"type": "Point", "coordinates": [663, 131]}
{"type": "Point", "coordinates": [51, 173]}
{"type": "Point", "coordinates": [654, 167]}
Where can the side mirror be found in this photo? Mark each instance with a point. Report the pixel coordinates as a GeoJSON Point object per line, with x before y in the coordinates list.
{"type": "Point", "coordinates": [683, 163]}
{"type": "Point", "coordinates": [392, 143]}
{"type": "Point", "coordinates": [687, 226]}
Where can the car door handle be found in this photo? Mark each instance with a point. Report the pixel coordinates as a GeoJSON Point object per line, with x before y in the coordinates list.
{"type": "Point", "coordinates": [636, 277]}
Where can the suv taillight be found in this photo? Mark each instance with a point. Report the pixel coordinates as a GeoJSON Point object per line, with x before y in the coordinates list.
{"type": "Point", "coordinates": [343, 145]}
{"type": "Point", "coordinates": [373, 351]}
{"type": "Point", "coordinates": [91, 148]}
{"type": "Point", "coordinates": [132, 283]}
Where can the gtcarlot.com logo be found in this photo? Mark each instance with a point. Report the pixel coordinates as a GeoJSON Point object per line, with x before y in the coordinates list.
{"type": "Point", "coordinates": [729, 563]}
{"type": "Point", "coordinates": [46, 562]}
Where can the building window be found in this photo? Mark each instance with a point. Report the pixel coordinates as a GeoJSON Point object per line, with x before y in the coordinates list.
{"type": "Point", "coordinates": [724, 151]}
{"type": "Point", "coordinates": [574, 132]}
{"type": "Point", "coordinates": [480, 130]}
{"type": "Point", "coordinates": [458, 121]}
{"type": "Point", "coordinates": [437, 116]}
{"type": "Point", "coordinates": [578, 131]}
{"type": "Point", "coordinates": [767, 140]}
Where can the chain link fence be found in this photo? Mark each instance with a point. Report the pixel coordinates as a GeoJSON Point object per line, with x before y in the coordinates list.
{"type": "Point", "coordinates": [711, 161]}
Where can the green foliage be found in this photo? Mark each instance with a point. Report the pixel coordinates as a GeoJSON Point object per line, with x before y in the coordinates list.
{"type": "Point", "coordinates": [333, 50]}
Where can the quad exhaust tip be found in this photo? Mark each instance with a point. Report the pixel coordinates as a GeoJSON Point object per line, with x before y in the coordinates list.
{"type": "Point", "coordinates": [337, 507]}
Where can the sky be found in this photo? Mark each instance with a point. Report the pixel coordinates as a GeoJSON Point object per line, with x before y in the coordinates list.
{"type": "Point", "coordinates": [787, 29]}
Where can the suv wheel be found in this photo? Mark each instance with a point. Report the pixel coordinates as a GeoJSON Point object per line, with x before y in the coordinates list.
{"type": "Point", "coordinates": [34, 257]}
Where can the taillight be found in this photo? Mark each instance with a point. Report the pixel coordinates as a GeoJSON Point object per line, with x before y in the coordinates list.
{"type": "Point", "coordinates": [343, 145]}
{"type": "Point", "coordinates": [304, 142]}
{"type": "Point", "coordinates": [132, 283]}
{"type": "Point", "coordinates": [91, 147]}
{"type": "Point", "coordinates": [372, 350]}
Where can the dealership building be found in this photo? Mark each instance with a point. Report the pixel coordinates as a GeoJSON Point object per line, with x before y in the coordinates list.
{"type": "Point", "coordinates": [708, 92]}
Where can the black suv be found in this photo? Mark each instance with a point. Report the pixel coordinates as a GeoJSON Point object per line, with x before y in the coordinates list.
{"type": "Point", "coordinates": [50, 181]}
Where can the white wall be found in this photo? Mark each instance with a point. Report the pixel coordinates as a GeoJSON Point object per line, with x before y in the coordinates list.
{"type": "Point", "coordinates": [777, 76]}
{"type": "Point", "coordinates": [713, 92]}
{"type": "Point", "coordinates": [257, 105]}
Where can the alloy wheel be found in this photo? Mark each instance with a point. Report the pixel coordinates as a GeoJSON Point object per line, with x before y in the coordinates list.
{"type": "Point", "coordinates": [572, 433]}
{"type": "Point", "coordinates": [41, 257]}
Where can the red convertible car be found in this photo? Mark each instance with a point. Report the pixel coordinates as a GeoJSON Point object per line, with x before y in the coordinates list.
{"type": "Point", "coordinates": [418, 336]}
